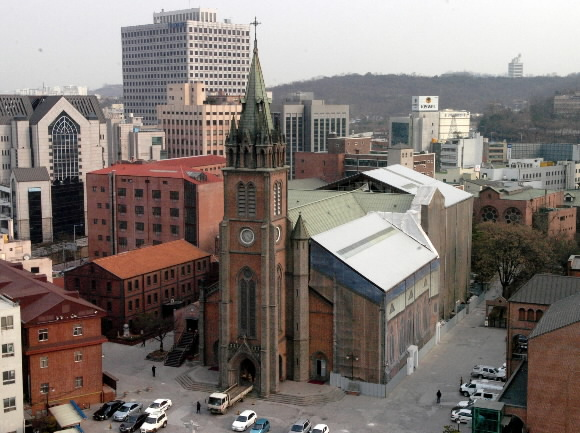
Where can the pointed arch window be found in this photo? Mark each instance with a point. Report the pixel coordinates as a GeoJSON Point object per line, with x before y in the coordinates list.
{"type": "Point", "coordinates": [246, 199]}
{"type": "Point", "coordinates": [277, 198]}
{"type": "Point", "coordinates": [247, 305]}
{"type": "Point", "coordinates": [64, 134]}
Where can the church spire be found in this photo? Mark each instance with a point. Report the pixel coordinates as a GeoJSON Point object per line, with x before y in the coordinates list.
{"type": "Point", "coordinates": [254, 143]}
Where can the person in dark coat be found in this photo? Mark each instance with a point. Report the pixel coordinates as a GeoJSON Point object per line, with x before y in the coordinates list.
{"type": "Point", "coordinates": [153, 370]}
{"type": "Point", "coordinates": [198, 407]}
{"type": "Point", "coordinates": [438, 396]}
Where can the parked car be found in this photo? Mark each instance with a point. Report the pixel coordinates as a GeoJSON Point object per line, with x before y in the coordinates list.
{"type": "Point", "coordinates": [133, 423]}
{"type": "Point", "coordinates": [465, 403]}
{"type": "Point", "coordinates": [461, 415]}
{"type": "Point", "coordinates": [262, 425]}
{"type": "Point", "coordinates": [160, 404]}
{"type": "Point", "coordinates": [485, 395]}
{"type": "Point", "coordinates": [301, 426]}
{"type": "Point", "coordinates": [320, 428]}
{"type": "Point", "coordinates": [127, 409]}
{"type": "Point", "coordinates": [107, 410]}
{"type": "Point", "coordinates": [485, 371]}
{"type": "Point", "coordinates": [154, 421]}
{"type": "Point", "coordinates": [244, 420]}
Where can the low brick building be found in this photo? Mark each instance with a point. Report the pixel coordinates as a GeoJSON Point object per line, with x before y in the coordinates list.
{"type": "Point", "coordinates": [538, 208]}
{"type": "Point", "coordinates": [142, 281]}
{"type": "Point", "coordinates": [138, 204]}
{"type": "Point", "coordinates": [61, 341]}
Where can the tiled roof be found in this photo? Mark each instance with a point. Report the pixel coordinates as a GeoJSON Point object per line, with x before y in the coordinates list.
{"type": "Point", "coordinates": [149, 259]}
{"type": "Point", "coordinates": [87, 106]}
{"type": "Point", "coordinates": [545, 289]}
{"type": "Point", "coordinates": [40, 299]}
{"type": "Point", "coordinates": [34, 174]}
{"type": "Point", "coordinates": [560, 314]}
{"type": "Point", "coordinates": [185, 168]}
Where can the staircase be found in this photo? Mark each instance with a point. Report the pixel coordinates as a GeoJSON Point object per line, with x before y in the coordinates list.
{"type": "Point", "coordinates": [178, 352]}
{"type": "Point", "coordinates": [187, 383]}
{"type": "Point", "coordinates": [334, 394]}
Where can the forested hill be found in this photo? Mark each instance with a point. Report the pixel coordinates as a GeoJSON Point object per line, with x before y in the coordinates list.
{"type": "Point", "coordinates": [382, 96]}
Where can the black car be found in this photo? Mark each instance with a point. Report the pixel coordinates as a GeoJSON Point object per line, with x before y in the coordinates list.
{"type": "Point", "coordinates": [107, 410]}
{"type": "Point", "coordinates": [133, 423]}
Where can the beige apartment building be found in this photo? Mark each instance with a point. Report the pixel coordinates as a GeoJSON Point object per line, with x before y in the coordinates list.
{"type": "Point", "coordinates": [194, 122]}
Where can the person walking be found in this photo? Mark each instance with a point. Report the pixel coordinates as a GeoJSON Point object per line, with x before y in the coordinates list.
{"type": "Point", "coordinates": [438, 396]}
{"type": "Point", "coordinates": [153, 370]}
{"type": "Point", "coordinates": [198, 407]}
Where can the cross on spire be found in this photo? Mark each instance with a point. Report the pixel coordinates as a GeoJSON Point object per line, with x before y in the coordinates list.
{"type": "Point", "coordinates": [255, 23]}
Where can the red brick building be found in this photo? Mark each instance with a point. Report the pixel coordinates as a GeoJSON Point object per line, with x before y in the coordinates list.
{"type": "Point", "coordinates": [61, 341]}
{"type": "Point", "coordinates": [142, 281]}
{"type": "Point", "coordinates": [538, 208]}
{"type": "Point", "coordinates": [138, 204]}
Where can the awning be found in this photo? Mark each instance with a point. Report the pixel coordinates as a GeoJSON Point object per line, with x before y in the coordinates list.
{"type": "Point", "coordinates": [67, 415]}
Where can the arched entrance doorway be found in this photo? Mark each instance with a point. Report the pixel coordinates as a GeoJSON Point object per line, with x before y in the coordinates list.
{"type": "Point", "coordinates": [247, 372]}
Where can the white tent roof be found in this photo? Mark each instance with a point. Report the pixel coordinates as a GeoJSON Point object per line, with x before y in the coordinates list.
{"type": "Point", "coordinates": [66, 415]}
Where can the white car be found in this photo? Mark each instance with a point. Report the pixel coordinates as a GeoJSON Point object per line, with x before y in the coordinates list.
{"type": "Point", "coordinates": [320, 428]}
{"type": "Point", "coordinates": [161, 404]}
{"type": "Point", "coordinates": [461, 415]}
{"type": "Point", "coordinates": [154, 422]}
{"type": "Point", "coordinates": [244, 420]}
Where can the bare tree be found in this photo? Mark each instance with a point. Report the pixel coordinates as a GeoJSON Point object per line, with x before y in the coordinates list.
{"type": "Point", "coordinates": [155, 327]}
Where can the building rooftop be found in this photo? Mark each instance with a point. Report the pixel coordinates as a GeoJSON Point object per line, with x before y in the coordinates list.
{"type": "Point", "coordinates": [33, 174]}
{"type": "Point", "coordinates": [149, 259]}
{"type": "Point", "coordinates": [515, 393]}
{"type": "Point", "coordinates": [561, 313]}
{"type": "Point", "coordinates": [379, 250]}
{"type": "Point", "coordinates": [545, 289]}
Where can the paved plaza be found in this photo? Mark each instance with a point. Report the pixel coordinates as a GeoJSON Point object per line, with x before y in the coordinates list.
{"type": "Point", "coordinates": [410, 408]}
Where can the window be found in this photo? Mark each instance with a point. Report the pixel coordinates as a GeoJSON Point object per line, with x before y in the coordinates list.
{"type": "Point", "coordinates": [78, 356]}
{"type": "Point", "coordinates": [139, 242]}
{"type": "Point", "coordinates": [122, 208]}
{"type": "Point", "coordinates": [136, 304]}
{"type": "Point", "coordinates": [43, 334]}
{"type": "Point", "coordinates": [122, 225]}
{"type": "Point", "coordinates": [148, 299]}
{"type": "Point", "coordinates": [148, 280]}
{"type": "Point", "coordinates": [9, 404]}
{"type": "Point", "coordinates": [109, 306]}
{"type": "Point", "coordinates": [7, 350]}
{"type": "Point", "coordinates": [174, 212]}
{"type": "Point", "coordinates": [139, 210]}
{"type": "Point", "coordinates": [7, 322]}
{"type": "Point", "coordinates": [174, 230]}
{"type": "Point", "coordinates": [121, 192]}
{"type": "Point", "coordinates": [44, 362]}
{"type": "Point", "coordinates": [174, 195]}
{"type": "Point", "coordinates": [109, 286]}
{"type": "Point", "coordinates": [77, 330]}
{"type": "Point", "coordinates": [139, 227]}
{"type": "Point", "coordinates": [157, 228]}
{"type": "Point", "coordinates": [277, 198]}
{"type": "Point", "coordinates": [156, 194]}
{"type": "Point", "coordinates": [122, 242]}
{"type": "Point", "coordinates": [138, 193]}
{"type": "Point", "coordinates": [8, 377]}
{"type": "Point", "coordinates": [521, 314]}
{"type": "Point", "coordinates": [247, 293]}
{"type": "Point", "coordinates": [130, 306]}
{"type": "Point", "coordinates": [78, 382]}
{"type": "Point", "coordinates": [44, 388]}
{"type": "Point", "coordinates": [156, 211]}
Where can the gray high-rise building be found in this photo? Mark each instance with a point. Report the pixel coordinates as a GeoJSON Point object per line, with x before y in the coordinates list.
{"type": "Point", "coordinates": [516, 67]}
{"type": "Point", "coordinates": [184, 46]}
{"type": "Point", "coordinates": [307, 122]}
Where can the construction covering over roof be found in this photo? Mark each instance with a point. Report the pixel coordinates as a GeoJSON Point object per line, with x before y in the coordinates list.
{"type": "Point", "coordinates": [149, 259]}
{"type": "Point", "coordinates": [410, 181]}
{"type": "Point", "coordinates": [371, 244]}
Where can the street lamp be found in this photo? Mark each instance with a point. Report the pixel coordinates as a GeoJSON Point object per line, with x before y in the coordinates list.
{"type": "Point", "coordinates": [352, 358]}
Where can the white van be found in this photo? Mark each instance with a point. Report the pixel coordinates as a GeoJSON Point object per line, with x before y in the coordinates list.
{"type": "Point", "coordinates": [485, 395]}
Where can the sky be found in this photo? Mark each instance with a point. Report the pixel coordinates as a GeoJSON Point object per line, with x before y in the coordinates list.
{"type": "Point", "coordinates": [61, 42]}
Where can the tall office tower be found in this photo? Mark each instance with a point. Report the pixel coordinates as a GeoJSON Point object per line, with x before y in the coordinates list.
{"type": "Point", "coordinates": [182, 46]}
{"type": "Point", "coordinates": [307, 123]}
{"type": "Point", "coordinates": [516, 67]}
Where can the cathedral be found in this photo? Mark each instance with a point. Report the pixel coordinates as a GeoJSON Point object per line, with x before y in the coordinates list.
{"type": "Point", "coordinates": [344, 283]}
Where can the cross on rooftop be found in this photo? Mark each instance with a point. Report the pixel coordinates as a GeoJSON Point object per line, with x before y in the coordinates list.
{"type": "Point", "coordinates": [255, 23]}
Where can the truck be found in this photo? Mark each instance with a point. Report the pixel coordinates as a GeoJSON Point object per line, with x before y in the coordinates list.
{"type": "Point", "coordinates": [219, 402]}
{"type": "Point", "coordinates": [467, 389]}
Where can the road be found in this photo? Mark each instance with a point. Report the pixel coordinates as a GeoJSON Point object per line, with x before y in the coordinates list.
{"type": "Point", "coordinates": [410, 408]}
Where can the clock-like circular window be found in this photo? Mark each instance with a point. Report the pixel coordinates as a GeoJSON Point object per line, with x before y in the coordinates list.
{"type": "Point", "coordinates": [247, 236]}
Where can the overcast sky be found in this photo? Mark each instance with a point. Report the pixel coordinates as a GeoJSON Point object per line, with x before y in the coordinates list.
{"type": "Point", "coordinates": [59, 42]}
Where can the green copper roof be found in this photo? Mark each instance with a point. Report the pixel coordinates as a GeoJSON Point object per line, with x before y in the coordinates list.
{"type": "Point", "coordinates": [255, 105]}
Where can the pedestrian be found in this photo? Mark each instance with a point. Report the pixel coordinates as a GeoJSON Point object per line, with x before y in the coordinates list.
{"type": "Point", "coordinates": [438, 396]}
{"type": "Point", "coordinates": [461, 381]}
{"type": "Point", "coordinates": [198, 407]}
{"type": "Point", "coordinates": [153, 370]}
{"type": "Point", "coordinates": [142, 339]}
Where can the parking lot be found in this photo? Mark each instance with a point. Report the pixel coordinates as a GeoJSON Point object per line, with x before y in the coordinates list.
{"type": "Point", "coordinates": [411, 407]}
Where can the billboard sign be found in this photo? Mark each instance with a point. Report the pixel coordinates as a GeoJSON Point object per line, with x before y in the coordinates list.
{"type": "Point", "coordinates": [425, 103]}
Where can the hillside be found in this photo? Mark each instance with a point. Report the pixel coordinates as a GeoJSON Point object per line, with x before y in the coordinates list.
{"type": "Point", "coordinates": [382, 96]}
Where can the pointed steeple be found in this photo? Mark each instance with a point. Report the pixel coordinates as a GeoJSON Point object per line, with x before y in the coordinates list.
{"type": "Point", "coordinates": [254, 143]}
